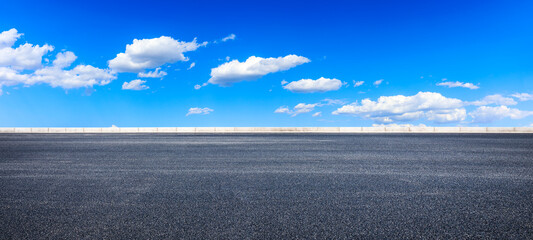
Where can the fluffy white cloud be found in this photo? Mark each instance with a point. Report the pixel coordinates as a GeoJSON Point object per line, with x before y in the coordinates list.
{"type": "Point", "coordinates": [80, 76]}
{"type": "Point", "coordinates": [252, 69]}
{"type": "Point", "coordinates": [136, 84]}
{"type": "Point", "coordinates": [229, 37]}
{"type": "Point", "coordinates": [26, 56]}
{"type": "Point", "coordinates": [358, 83]}
{"type": "Point", "coordinates": [489, 114]}
{"type": "Point", "coordinates": [10, 77]}
{"type": "Point", "coordinates": [15, 63]}
{"type": "Point", "coordinates": [458, 84]}
{"type": "Point", "coordinates": [446, 116]}
{"type": "Point", "coordinates": [388, 109]}
{"type": "Point", "coordinates": [64, 59]}
{"type": "Point", "coordinates": [378, 82]}
{"type": "Point", "coordinates": [308, 85]}
{"type": "Point", "coordinates": [523, 96]}
{"type": "Point", "coordinates": [9, 37]}
{"type": "Point", "coordinates": [151, 53]}
{"type": "Point", "coordinates": [317, 114]}
{"type": "Point", "coordinates": [57, 76]}
{"type": "Point", "coordinates": [157, 73]}
{"type": "Point", "coordinates": [199, 111]}
{"type": "Point", "coordinates": [191, 66]}
{"type": "Point", "coordinates": [496, 99]}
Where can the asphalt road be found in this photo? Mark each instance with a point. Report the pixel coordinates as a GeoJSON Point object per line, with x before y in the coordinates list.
{"type": "Point", "coordinates": [266, 186]}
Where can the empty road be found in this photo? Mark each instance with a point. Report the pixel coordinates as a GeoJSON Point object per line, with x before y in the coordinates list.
{"type": "Point", "coordinates": [266, 186]}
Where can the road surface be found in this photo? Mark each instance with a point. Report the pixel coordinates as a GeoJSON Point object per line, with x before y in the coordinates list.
{"type": "Point", "coordinates": [266, 186]}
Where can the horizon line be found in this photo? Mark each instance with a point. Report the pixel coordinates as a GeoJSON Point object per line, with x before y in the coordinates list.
{"type": "Point", "coordinates": [377, 129]}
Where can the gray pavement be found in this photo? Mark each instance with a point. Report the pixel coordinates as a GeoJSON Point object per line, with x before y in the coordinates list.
{"type": "Point", "coordinates": [266, 186]}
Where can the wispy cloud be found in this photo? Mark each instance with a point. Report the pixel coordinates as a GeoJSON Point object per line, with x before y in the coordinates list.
{"type": "Point", "coordinates": [490, 114]}
{"type": "Point", "coordinates": [198, 86]}
{"type": "Point", "coordinates": [157, 73]}
{"type": "Point", "coordinates": [458, 84]}
{"type": "Point", "coordinates": [495, 99]}
{"type": "Point", "coordinates": [136, 84]}
{"type": "Point", "coordinates": [307, 107]}
{"type": "Point", "coordinates": [196, 110]}
{"type": "Point", "coordinates": [523, 96]}
{"type": "Point", "coordinates": [317, 114]}
{"type": "Point", "coordinates": [229, 37]}
{"type": "Point", "coordinates": [358, 83]}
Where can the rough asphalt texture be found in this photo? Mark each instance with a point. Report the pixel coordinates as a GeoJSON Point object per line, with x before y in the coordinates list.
{"type": "Point", "coordinates": [266, 186]}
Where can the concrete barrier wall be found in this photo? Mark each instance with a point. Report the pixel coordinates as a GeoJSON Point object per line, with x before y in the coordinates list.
{"type": "Point", "coordinates": [274, 130]}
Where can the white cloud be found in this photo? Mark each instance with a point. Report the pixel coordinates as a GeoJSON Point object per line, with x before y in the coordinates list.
{"type": "Point", "coordinates": [229, 37]}
{"type": "Point", "coordinates": [523, 96]}
{"type": "Point", "coordinates": [199, 111]}
{"type": "Point", "coordinates": [283, 109]}
{"type": "Point", "coordinates": [327, 102]}
{"type": "Point", "coordinates": [446, 116]}
{"type": "Point", "coordinates": [57, 76]}
{"type": "Point", "coordinates": [151, 53]}
{"type": "Point", "coordinates": [64, 59]}
{"type": "Point", "coordinates": [305, 108]}
{"type": "Point", "coordinates": [80, 76]}
{"type": "Point", "coordinates": [9, 37]}
{"type": "Point", "coordinates": [10, 77]}
{"type": "Point", "coordinates": [309, 86]}
{"type": "Point", "coordinates": [378, 82]}
{"type": "Point", "coordinates": [136, 84]}
{"type": "Point", "coordinates": [317, 114]}
{"type": "Point", "coordinates": [191, 66]}
{"type": "Point", "coordinates": [388, 109]}
{"type": "Point", "coordinates": [14, 60]}
{"type": "Point", "coordinates": [252, 69]}
{"type": "Point", "coordinates": [26, 56]}
{"type": "Point", "coordinates": [157, 73]}
{"type": "Point", "coordinates": [489, 114]}
{"type": "Point", "coordinates": [198, 86]}
{"type": "Point", "coordinates": [458, 84]}
{"type": "Point", "coordinates": [358, 83]}
{"type": "Point", "coordinates": [298, 109]}
{"type": "Point", "coordinates": [496, 99]}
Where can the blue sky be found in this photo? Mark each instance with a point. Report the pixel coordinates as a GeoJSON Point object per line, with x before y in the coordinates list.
{"type": "Point", "coordinates": [283, 63]}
